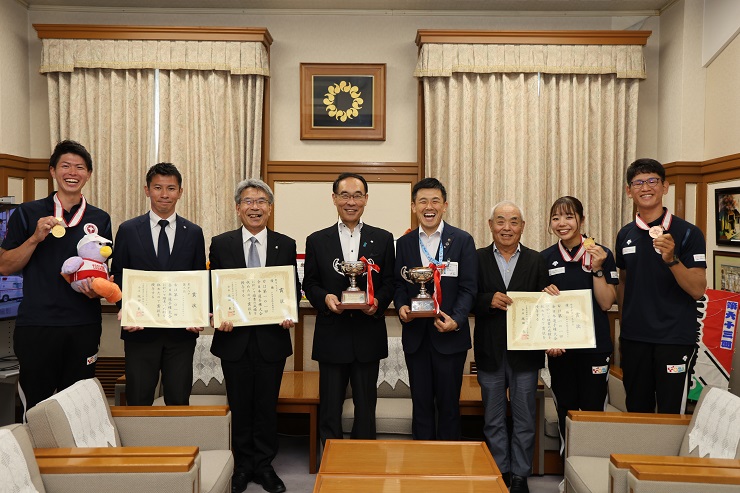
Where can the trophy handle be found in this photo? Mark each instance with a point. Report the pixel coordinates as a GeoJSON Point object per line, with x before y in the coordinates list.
{"type": "Point", "coordinates": [404, 274]}
{"type": "Point", "coordinates": [335, 264]}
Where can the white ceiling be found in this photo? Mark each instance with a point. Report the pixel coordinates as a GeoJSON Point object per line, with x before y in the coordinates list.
{"type": "Point", "coordinates": [647, 7]}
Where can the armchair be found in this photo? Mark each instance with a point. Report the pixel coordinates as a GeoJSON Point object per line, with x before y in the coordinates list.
{"type": "Point", "coordinates": [593, 437]}
{"type": "Point", "coordinates": [87, 470]}
{"type": "Point", "coordinates": [208, 428]}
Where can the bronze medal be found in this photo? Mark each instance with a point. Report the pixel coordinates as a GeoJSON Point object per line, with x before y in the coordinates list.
{"type": "Point", "coordinates": [655, 231]}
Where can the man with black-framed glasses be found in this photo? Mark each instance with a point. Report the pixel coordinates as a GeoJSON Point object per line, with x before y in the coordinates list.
{"type": "Point", "coordinates": [349, 340]}
{"type": "Point", "coordinates": [662, 272]}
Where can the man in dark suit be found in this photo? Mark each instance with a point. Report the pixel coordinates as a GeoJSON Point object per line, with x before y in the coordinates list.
{"type": "Point", "coordinates": [349, 343]}
{"type": "Point", "coordinates": [253, 358]}
{"type": "Point", "coordinates": [160, 240]}
{"type": "Point", "coordinates": [507, 265]}
{"type": "Point", "coordinates": [436, 347]}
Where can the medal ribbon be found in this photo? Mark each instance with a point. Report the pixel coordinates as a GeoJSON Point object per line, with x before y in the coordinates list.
{"type": "Point", "coordinates": [429, 257]}
{"type": "Point", "coordinates": [59, 212]}
{"type": "Point", "coordinates": [369, 268]}
{"type": "Point", "coordinates": [666, 223]}
{"type": "Point", "coordinates": [437, 295]}
{"type": "Point", "coordinates": [581, 255]}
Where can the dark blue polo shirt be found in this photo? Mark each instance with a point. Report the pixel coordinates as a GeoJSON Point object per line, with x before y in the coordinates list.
{"type": "Point", "coordinates": [570, 276]}
{"type": "Point", "coordinates": [655, 308]}
{"type": "Point", "coordinates": [48, 299]}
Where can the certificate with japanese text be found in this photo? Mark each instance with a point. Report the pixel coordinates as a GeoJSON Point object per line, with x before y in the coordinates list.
{"type": "Point", "coordinates": [165, 299]}
{"type": "Point", "coordinates": [254, 296]}
{"type": "Point", "coordinates": [541, 321]}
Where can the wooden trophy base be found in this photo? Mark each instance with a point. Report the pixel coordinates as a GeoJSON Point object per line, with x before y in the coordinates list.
{"type": "Point", "coordinates": [422, 308]}
{"type": "Point", "coordinates": [354, 300]}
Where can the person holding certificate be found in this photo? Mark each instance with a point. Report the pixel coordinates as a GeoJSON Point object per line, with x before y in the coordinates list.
{"type": "Point", "coordinates": [662, 272]}
{"type": "Point", "coordinates": [507, 265]}
{"type": "Point", "coordinates": [435, 347]}
{"type": "Point", "coordinates": [159, 240]}
{"type": "Point", "coordinates": [350, 339]}
{"type": "Point", "coordinates": [579, 376]}
{"type": "Point", "coordinates": [253, 357]}
{"type": "Point", "coordinates": [57, 331]}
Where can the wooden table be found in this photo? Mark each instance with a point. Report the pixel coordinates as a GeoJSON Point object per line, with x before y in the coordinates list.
{"type": "Point", "coordinates": [342, 483]}
{"type": "Point", "coordinates": [408, 458]}
{"type": "Point", "coordinates": [299, 394]}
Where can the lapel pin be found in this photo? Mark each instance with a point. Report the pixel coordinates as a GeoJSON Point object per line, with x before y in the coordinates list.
{"type": "Point", "coordinates": [365, 244]}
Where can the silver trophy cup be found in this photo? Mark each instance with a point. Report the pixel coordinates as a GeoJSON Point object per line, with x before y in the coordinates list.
{"type": "Point", "coordinates": [422, 304]}
{"type": "Point", "coordinates": [352, 295]}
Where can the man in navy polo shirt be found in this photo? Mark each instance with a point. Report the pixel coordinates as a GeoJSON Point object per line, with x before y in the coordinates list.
{"type": "Point", "coordinates": [57, 331]}
{"type": "Point", "coordinates": [662, 262]}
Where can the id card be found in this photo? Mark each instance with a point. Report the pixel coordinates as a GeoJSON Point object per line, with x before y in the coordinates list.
{"type": "Point", "coordinates": [450, 270]}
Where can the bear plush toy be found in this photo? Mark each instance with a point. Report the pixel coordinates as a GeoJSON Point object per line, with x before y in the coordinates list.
{"type": "Point", "coordinates": [92, 251]}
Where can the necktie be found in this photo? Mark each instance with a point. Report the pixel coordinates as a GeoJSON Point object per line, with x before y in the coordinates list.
{"type": "Point", "coordinates": [163, 246]}
{"type": "Point", "coordinates": [253, 259]}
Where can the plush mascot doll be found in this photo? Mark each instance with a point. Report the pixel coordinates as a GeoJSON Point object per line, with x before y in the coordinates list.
{"type": "Point", "coordinates": [92, 252]}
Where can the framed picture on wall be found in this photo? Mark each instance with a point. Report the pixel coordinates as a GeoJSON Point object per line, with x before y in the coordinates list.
{"type": "Point", "coordinates": [727, 271]}
{"type": "Point", "coordinates": [727, 208]}
{"type": "Point", "coordinates": [342, 101]}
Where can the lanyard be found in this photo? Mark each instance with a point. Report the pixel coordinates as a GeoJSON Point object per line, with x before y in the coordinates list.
{"type": "Point", "coordinates": [426, 252]}
{"type": "Point", "coordinates": [59, 212]}
{"type": "Point", "coordinates": [581, 255]}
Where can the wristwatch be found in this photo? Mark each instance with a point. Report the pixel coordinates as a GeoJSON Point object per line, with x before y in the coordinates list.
{"type": "Point", "coordinates": [672, 262]}
{"type": "Point", "coordinates": [598, 273]}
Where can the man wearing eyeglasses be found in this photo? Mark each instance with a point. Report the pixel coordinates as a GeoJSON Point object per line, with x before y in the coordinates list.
{"type": "Point", "coordinates": [348, 342]}
{"type": "Point", "coordinates": [253, 358]}
{"type": "Point", "coordinates": [662, 272]}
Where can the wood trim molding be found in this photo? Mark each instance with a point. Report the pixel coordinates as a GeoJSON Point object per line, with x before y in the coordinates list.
{"type": "Point", "coordinates": [23, 163]}
{"type": "Point", "coordinates": [448, 36]}
{"type": "Point", "coordinates": [624, 461]}
{"type": "Point", "coordinates": [167, 411]}
{"type": "Point", "coordinates": [164, 451]}
{"type": "Point", "coordinates": [171, 33]}
{"type": "Point", "coordinates": [681, 474]}
{"type": "Point", "coordinates": [108, 465]}
{"type": "Point", "coordinates": [630, 418]}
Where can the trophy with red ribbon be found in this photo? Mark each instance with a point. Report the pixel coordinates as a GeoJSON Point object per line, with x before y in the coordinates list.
{"type": "Point", "coordinates": [353, 297]}
{"type": "Point", "coordinates": [424, 304]}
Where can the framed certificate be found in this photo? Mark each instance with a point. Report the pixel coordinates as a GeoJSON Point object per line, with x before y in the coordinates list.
{"type": "Point", "coordinates": [255, 296]}
{"type": "Point", "coordinates": [165, 299]}
{"type": "Point", "coordinates": [537, 320]}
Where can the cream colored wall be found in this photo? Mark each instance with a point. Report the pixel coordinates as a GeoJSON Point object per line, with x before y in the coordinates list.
{"type": "Point", "coordinates": [723, 103]}
{"type": "Point", "coordinates": [14, 95]}
{"type": "Point", "coordinates": [682, 83]}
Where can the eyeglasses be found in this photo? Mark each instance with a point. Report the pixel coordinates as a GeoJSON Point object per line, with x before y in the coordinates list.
{"type": "Point", "coordinates": [261, 202]}
{"type": "Point", "coordinates": [651, 182]}
{"type": "Point", "coordinates": [358, 197]}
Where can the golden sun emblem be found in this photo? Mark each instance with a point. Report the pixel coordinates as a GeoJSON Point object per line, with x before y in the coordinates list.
{"type": "Point", "coordinates": [337, 95]}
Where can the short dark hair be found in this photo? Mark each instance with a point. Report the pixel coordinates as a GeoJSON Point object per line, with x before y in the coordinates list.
{"type": "Point", "coordinates": [645, 165]}
{"type": "Point", "coordinates": [428, 183]}
{"type": "Point", "coordinates": [70, 147]}
{"type": "Point", "coordinates": [164, 169]}
{"type": "Point", "coordinates": [344, 176]}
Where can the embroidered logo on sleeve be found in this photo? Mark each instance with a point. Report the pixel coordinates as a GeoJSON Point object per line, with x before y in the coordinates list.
{"type": "Point", "coordinates": [599, 370]}
{"type": "Point", "coordinates": [675, 368]}
{"type": "Point", "coordinates": [700, 257]}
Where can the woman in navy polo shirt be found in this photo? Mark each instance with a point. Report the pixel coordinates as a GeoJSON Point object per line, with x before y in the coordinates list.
{"type": "Point", "coordinates": [579, 376]}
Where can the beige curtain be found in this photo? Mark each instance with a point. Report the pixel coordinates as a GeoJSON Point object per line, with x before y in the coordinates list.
{"type": "Point", "coordinates": [111, 112]}
{"type": "Point", "coordinates": [211, 129]}
{"type": "Point", "coordinates": [508, 133]}
{"type": "Point", "coordinates": [101, 93]}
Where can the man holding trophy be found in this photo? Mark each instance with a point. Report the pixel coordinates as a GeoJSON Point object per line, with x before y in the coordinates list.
{"type": "Point", "coordinates": [436, 332]}
{"type": "Point", "coordinates": [348, 278]}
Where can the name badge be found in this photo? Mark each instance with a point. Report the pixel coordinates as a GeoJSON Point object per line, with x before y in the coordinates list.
{"type": "Point", "coordinates": [450, 270]}
{"type": "Point", "coordinates": [629, 249]}
{"type": "Point", "coordinates": [675, 368]}
{"type": "Point", "coordinates": [556, 271]}
{"type": "Point", "coordinates": [614, 274]}
{"type": "Point", "coordinates": [700, 257]}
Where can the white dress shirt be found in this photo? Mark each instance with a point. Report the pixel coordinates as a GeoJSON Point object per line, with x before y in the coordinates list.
{"type": "Point", "coordinates": [261, 245]}
{"type": "Point", "coordinates": [350, 240]}
{"type": "Point", "coordinates": [169, 230]}
{"type": "Point", "coordinates": [431, 243]}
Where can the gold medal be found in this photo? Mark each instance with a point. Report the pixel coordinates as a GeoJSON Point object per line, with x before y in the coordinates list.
{"type": "Point", "coordinates": [58, 231]}
{"type": "Point", "coordinates": [588, 243]}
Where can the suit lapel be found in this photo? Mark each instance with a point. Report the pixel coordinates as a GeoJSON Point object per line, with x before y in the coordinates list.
{"type": "Point", "coordinates": [272, 249]}
{"type": "Point", "coordinates": [145, 236]}
{"type": "Point", "coordinates": [236, 247]}
{"type": "Point", "coordinates": [181, 230]}
{"type": "Point", "coordinates": [367, 240]}
{"type": "Point", "coordinates": [498, 277]}
{"type": "Point", "coordinates": [334, 246]}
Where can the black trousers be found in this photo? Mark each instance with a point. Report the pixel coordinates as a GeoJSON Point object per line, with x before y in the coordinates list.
{"type": "Point", "coordinates": [657, 373]}
{"type": "Point", "coordinates": [333, 379]}
{"type": "Point", "coordinates": [144, 360]}
{"type": "Point", "coordinates": [579, 381]}
{"type": "Point", "coordinates": [53, 358]}
{"type": "Point", "coordinates": [253, 387]}
{"type": "Point", "coordinates": [435, 380]}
